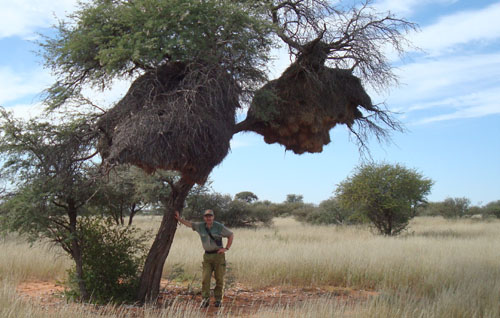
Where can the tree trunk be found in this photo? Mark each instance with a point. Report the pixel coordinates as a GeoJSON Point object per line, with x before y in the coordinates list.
{"type": "Point", "coordinates": [133, 211]}
{"type": "Point", "coordinates": [149, 286]}
{"type": "Point", "coordinates": [76, 251]}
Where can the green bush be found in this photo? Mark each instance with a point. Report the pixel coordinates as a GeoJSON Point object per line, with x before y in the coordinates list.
{"type": "Point", "coordinates": [388, 195]}
{"type": "Point", "coordinates": [286, 209]}
{"type": "Point", "coordinates": [449, 208]}
{"type": "Point", "coordinates": [330, 212]}
{"type": "Point", "coordinates": [112, 258]}
{"type": "Point", "coordinates": [232, 213]}
{"type": "Point", "coordinates": [300, 211]}
{"type": "Point", "coordinates": [492, 209]}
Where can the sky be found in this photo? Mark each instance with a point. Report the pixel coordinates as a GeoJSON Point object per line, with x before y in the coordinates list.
{"type": "Point", "coordinates": [448, 100]}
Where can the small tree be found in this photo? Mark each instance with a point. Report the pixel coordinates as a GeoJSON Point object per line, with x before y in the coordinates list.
{"type": "Point", "coordinates": [232, 213]}
{"type": "Point", "coordinates": [492, 208]}
{"type": "Point", "coordinates": [453, 207]}
{"type": "Point", "coordinates": [119, 195]}
{"type": "Point", "coordinates": [294, 198]}
{"type": "Point", "coordinates": [331, 212]}
{"type": "Point", "coordinates": [386, 194]}
{"type": "Point", "coordinates": [48, 167]}
{"type": "Point", "coordinates": [112, 257]}
{"type": "Point", "coordinates": [246, 196]}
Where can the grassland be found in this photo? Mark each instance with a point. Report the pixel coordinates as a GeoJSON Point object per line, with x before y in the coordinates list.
{"type": "Point", "coordinates": [439, 268]}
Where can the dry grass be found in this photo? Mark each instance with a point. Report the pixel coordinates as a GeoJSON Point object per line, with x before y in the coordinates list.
{"type": "Point", "coordinates": [440, 268]}
{"type": "Point", "coordinates": [21, 261]}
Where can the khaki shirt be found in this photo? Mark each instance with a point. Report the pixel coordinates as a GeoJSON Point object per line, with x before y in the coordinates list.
{"type": "Point", "coordinates": [218, 231]}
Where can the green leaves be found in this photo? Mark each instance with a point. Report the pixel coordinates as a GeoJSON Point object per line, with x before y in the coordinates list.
{"type": "Point", "coordinates": [110, 39]}
{"type": "Point", "coordinates": [112, 258]}
{"type": "Point", "coordinates": [387, 194]}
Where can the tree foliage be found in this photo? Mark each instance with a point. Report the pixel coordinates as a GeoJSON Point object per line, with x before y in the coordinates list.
{"type": "Point", "coordinates": [111, 39]}
{"type": "Point", "coordinates": [47, 165]}
{"type": "Point", "coordinates": [492, 209]}
{"type": "Point", "coordinates": [112, 257]}
{"type": "Point", "coordinates": [246, 196]}
{"type": "Point", "coordinates": [387, 194]}
{"type": "Point", "coordinates": [294, 198]}
{"type": "Point", "coordinates": [232, 213]}
{"type": "Point", "coordinates": [114, 39]}
{"type": "Point", "coordinates": [331, 212]}
{"type": "Point", "coordinates": [452, 207]}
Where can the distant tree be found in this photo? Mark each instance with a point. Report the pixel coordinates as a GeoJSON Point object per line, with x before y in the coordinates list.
{"type": "Point", "coordinates": [453, 207]}
{"type": "Point", "coordinates": [119, 195]}
{"type": "Point", "coordinates": [197, 203]}
{"type": "Point", "coordinates": [386, 194]}
{"type": "Point", "coordinates": [299, 210]}
{"type": "Point", "coordinates": [329, 212]}
{"type": "Point", "coordinates": [294, 198]}
{"type": "Point", "coordinates": [246, 196]}
{"type": "Point", "coordinates": [476, 211]}
{"type": "Point", "coordinates": [232, 213]}
{"type": "Point", "coordinates": [242, 214]}
{"type": "Point", "coordinates": [492, 209]}
{"type": "Point", "coordinates": [293, 206]}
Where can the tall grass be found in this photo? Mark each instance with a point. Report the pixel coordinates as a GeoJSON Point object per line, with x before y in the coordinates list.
{"type": "Point", "coordinates": [440, 268]}
{"type": "Point", "coordinates": [21, 261]}
{"type": "Point", "coordinates": [294, 254]}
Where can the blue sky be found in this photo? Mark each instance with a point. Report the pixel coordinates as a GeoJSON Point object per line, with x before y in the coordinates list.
{"type": "Point", "coordinates": [448, 99]}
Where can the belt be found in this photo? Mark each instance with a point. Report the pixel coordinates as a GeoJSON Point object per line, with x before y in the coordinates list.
{"type": "Point", "coordinates": [211, 252]}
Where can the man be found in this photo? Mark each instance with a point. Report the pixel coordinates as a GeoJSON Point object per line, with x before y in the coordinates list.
{"type": "Point", "coordinates": [214, 259]}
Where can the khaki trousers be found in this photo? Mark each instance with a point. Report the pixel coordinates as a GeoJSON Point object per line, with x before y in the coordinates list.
{"type": "Point", "coordinates": [213, 263]}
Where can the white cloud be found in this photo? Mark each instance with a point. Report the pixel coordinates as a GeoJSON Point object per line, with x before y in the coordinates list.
{"type": "Point", "coordinates": [406, 7]}
{"type": "Point", "coordinates": [23, 17]}
{"type": "Point", "coordinates": [19, 92]}
{"type": "Point", "coordinates": [467, 27]}
{"type": "Point", "coordinates": [443, 77]}
{"type": "Point", "coordinates": [15, 85]}
{"type": "Point", "coordinates": [477, 104]}
{"type": "Point", "coordinates": [448, 88]}
{"type": "Point", "coordinates": [26, 111]}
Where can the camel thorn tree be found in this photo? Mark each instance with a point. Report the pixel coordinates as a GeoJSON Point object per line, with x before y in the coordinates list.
{"type": "Point", "coordinates": [193, 63]}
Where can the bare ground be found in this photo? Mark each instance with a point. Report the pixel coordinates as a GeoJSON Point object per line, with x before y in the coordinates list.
{"type": "Point", "coordinates": [239, 300]}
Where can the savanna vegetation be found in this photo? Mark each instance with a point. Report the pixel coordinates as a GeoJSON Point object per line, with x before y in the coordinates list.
{"type": "Point", "coordinates": [67, 179]}
{"type": "Point", "coordinates": [439, 268]}
{"type": "Point", "coordinates": [191, 65]}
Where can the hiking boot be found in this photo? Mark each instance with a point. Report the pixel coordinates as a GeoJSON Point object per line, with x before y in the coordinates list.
{"type": "Point", "coordinates": [205, 303]}
{"type": "Point", "coordinates": [218, 303]}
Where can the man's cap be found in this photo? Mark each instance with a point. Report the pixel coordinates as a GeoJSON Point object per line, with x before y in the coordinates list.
{"type": "Point", "coordinates": [208, 212]}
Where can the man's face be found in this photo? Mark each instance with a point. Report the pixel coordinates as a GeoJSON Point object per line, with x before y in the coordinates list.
{"type": "Point", "coordinates": [209, 218]}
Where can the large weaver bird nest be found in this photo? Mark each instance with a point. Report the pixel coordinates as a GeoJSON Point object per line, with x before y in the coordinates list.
{"type": "Point", "coordinates": [177, 117]}
{"type": "Point", "coordinates": [299, 108]}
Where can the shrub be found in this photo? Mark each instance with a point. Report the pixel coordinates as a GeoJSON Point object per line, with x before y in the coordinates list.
{"type": "Point", "coordinates": [388, 195]}
{"type": "Point", "coordinates": [246, 196]}
{"type": "Point", "coordinates": [112, 257]}
{"type": "Point", "coordinates": [232, 213]}
{"type": "Point", "coordinates": [242, 214]}
{"type": "Point", "coordinates": [301, 211]}
{"type": "Point", "coordinates": [289, 209]}
{"type": "Point", "coordinates": [449, 208]}
{"type": "Point", "coordinates": [331, 212]}
{"type": "Point", "coordinates": [492, 209]}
